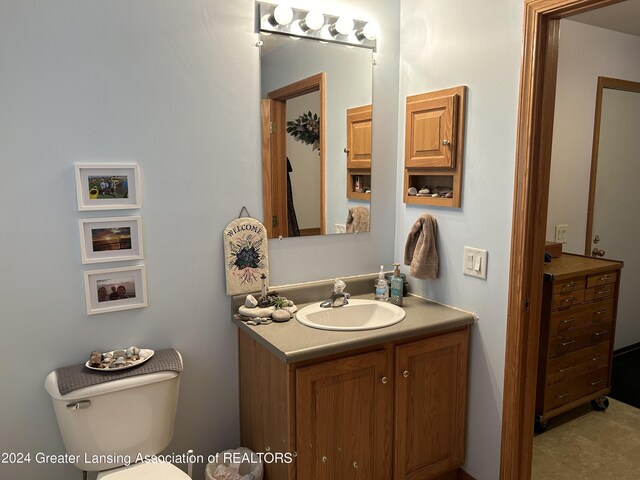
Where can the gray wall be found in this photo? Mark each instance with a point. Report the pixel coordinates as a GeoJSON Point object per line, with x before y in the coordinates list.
{"type": "Point", "coordinates": [172, 86]}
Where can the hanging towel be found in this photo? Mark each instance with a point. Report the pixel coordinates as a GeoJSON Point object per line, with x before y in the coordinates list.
{"type": "Point", "coordinates": [358, 219]}
{"type": "Point", "coordinates": [420, 250]}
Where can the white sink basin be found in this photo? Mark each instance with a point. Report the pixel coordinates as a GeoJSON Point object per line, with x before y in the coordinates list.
{"type": "Point", "coordinates": [359, 314]}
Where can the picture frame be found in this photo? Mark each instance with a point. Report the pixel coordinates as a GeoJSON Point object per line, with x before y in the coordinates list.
{"type": "Point", "coordinates": [115, 289]}
{"type": "Point", "coordinates": [111, 239]}
{"type": "Point", "coordinates": [108, 186]}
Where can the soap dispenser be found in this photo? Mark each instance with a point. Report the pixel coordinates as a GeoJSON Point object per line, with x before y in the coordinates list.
{"type": "Point", "coordinates": [382, 287]}
{"type": "Point", "coordinates": [397, 286]}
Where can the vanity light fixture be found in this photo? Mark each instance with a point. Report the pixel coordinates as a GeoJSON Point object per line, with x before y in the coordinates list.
{"type": "Point", "coordinates": [284, 20]}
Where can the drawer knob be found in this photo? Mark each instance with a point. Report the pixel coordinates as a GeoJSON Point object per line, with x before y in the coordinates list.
{"type": "Point", "coordinates": [405, 373]}
{"type": "Point", "coordinates": [384, 380]}
{"type": "Point", "coordinates": [597, 252]}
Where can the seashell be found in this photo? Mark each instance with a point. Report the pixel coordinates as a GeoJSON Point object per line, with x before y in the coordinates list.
{"type": "Point", "coordinates": [289, 303]}
{"type": "Point", "coordinates": [412, 191]}
{"type": "Point", "coordinates": [107, 357]}
{"type": "Point", "coordinates": [119, 353]}
{"type": "Point", "coordinates": [251, 302]}
{"type": "Point", "coordinates": [280, 315]}
{"type": "Point", "coordinates": [424, 190]}
{"type": "Point", "coordinates": [132, 351]}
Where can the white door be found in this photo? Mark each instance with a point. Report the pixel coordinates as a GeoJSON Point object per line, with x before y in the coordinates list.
{"type": "Point", "coordinates": [616, 213]}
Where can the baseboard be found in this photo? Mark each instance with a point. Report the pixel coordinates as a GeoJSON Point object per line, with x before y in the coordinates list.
{"type": "Point", "coordinates": [627, 349]}
{"type": "Point", "coordinates": [458, 474]}
{"type": "Point", "coordinates": [462, 475]}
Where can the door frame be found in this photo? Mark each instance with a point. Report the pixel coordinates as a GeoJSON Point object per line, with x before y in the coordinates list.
{"type": "Point", "coordinates": [531, 195]}
{"type": "Point", "coordinates": [274, 108]}
{"type": "Point", "coordinates": [613, 84]}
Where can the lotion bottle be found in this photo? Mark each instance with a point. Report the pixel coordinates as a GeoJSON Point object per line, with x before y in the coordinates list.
{"type": "Point", "coordinates": [382, 287]}
{"type": "Point", "coordinates": [397, 286]}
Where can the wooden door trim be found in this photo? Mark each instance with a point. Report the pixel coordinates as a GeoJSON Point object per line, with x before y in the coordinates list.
{"type": "Point", "coordinates": [531, 192]}
{"type": "Point", "coordinates": [314, 83]}
{"type": "Point", "coordinates": [613, 84]}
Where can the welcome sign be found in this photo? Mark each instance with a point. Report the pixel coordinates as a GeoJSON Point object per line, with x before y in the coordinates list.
{"type": "Point", "coordinates": [246, 255]}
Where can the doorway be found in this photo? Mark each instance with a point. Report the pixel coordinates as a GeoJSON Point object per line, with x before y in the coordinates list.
{"type": "Point", "coordinates": [276, 168]}
{"type": "Point", "coordinates": [531, 191]}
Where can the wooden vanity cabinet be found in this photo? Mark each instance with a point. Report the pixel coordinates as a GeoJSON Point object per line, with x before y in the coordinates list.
{"type": "Point", "coordinates": [580, 298]}
{"type": "Point", "coordinates": [394, 411]}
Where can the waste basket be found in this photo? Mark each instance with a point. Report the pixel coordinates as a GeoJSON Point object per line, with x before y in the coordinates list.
{"type": "Point", "coordinates": [236, 464]}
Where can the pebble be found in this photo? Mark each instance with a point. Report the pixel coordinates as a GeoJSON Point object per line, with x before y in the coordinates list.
{"type": "Point", "coordinates": [251, 302]}
{"type": "Point", "coordinates": [281, 315]}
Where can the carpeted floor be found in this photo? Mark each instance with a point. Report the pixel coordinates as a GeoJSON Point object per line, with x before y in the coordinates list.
{"type": "Point", "coordinates": [625, 378]}
{"type": "Point", "coordinates": [584, 444]}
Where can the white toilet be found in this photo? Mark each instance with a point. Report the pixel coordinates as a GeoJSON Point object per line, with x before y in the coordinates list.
{"type": "Point", "coordinates": [106, 427]}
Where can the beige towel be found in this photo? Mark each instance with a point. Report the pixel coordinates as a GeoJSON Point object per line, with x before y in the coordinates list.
{"type": "Point", "coordinates": [420, 250]}
{"type": "Point", "coordinates": [358, 219]}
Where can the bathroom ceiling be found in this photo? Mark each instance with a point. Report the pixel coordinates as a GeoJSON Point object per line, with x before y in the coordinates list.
{"type": "Point", "coordinates": [622, 17]}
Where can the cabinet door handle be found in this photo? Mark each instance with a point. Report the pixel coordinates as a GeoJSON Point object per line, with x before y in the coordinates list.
{"type": "Point", "coordinates": [384, 380]}
{"type": "Point", "coordinates": [568, 342]}
{"type": "Point", "coordinates": [324, 459]}
{"type": "Point", "coordinates": [405, 373]}
{"type": "Point", "coordinates": [446, 143]}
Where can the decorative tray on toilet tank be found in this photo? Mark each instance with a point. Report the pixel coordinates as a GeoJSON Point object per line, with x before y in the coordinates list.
{"type": "Point", "coordinates": [119, 359]}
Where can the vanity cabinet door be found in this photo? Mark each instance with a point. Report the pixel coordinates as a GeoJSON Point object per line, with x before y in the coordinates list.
{"type": "Point", "coordinates": [344, 418]}
{"type": "Point", "coordinates": [359, 137]}
{"type": "Point", "coordinates": [431, 394]}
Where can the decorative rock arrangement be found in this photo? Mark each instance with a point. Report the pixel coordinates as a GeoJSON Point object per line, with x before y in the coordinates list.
{"type": "Point", "coordinates": [441, 192]}
{"type": "Point", "coordinates": [273, 306]}
{"type": "Point", "coordinates": [118, 358]}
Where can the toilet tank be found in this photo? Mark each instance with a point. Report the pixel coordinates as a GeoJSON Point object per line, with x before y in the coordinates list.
{"type": "Point", "coordinates": [110, 424]}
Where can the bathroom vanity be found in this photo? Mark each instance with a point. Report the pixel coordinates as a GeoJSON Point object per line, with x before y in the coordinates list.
{"type": "Point", "coordinates": [373, 404]}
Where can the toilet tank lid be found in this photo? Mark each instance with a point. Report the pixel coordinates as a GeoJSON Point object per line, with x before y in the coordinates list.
{"type": "Point", "coordinates": [51, 385]}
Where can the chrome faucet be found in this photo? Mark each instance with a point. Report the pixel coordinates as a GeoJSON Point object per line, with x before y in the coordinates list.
{"type": "Point", "coordinates": [338, 298]}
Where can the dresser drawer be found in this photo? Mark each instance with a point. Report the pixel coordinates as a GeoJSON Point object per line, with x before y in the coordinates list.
{"type": "Point", "coordinates": [578, 338]}
{"type": "Point", "coordinates": [565, 300]}
{"type": "Point", "coordinates": [578, 363]}
{"type": "Point", "coordinates": [602, 279]}
{"type": "Point", "coordinates": [570, 285]}
{"type": "Point", "coordinates": [565, 392]}
{"type": "Point", "coordinates": [563, 320]}
{"type": "Point", "coordinates": [601, 291]}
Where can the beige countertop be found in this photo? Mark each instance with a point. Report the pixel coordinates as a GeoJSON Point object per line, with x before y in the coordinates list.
{"type": "Point", "coordinates": [292, 342]}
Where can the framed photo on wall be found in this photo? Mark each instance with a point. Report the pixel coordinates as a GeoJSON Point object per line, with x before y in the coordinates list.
{"type": "Point", "coordinates": [114, 289]}
{"type": "Point", "coordinates": [108, 186]}
{"type": "Point", "coordinates": [111, 239]}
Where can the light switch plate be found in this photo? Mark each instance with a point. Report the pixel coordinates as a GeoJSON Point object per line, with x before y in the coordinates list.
{"type": "Point", "coordinates": [561, 233]}
{"type": "Point", "coordinates": [474, 262]}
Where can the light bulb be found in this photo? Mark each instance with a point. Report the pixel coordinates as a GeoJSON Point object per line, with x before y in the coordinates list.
{"type": "Point", "coordinates": [370, 31]}
{"type": "Point", "coordinates": [344, 26]}
{"type": "Point", "coordinates": [314, 20]}
{"type": "Point", "coordinates": [282, 15]}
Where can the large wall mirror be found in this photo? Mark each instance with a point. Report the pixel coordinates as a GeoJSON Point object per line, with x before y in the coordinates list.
{"type": "Point", "coordinates": [316, 136]}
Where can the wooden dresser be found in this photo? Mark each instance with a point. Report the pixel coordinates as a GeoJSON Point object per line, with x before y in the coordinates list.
{"type": "Point", "coordinates": [580, 298]}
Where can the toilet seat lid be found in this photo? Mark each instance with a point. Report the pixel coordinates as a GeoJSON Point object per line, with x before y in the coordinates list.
{"type": "Point", "coordinates": [145, 471]}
